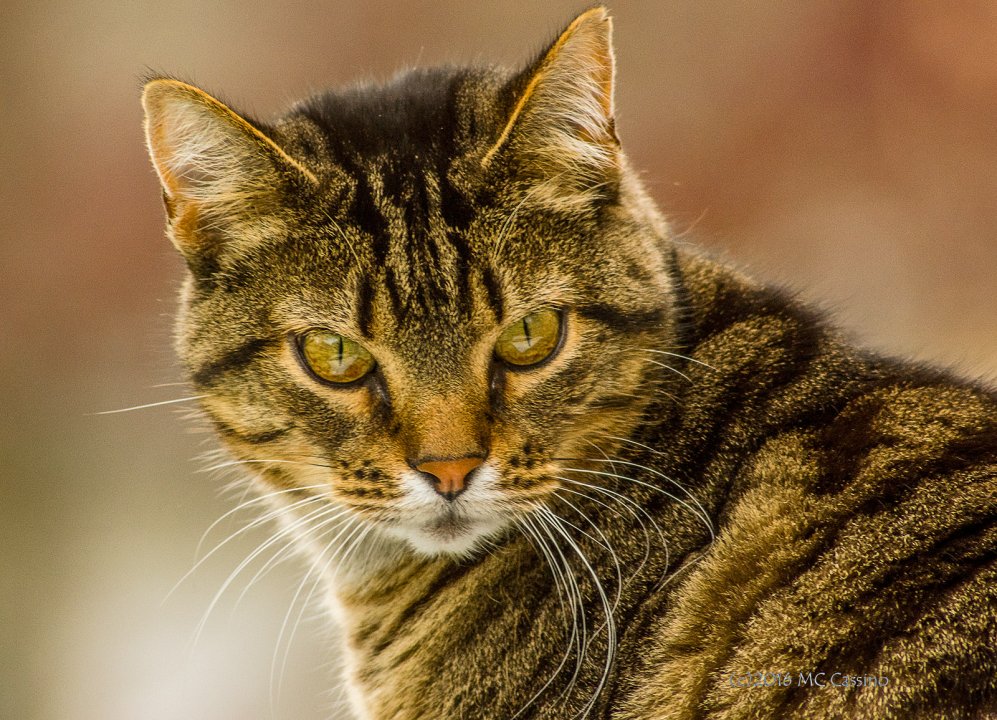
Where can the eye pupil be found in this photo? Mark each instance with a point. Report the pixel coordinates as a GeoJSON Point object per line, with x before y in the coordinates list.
{"type": "Point", "coordinates": [530, 340]}
{"type": "Point", "coordinates": [334, 358]}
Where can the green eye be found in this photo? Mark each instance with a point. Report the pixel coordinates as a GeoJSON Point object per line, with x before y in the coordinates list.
{"type": "Point", "coordinates": [334, 358]}
{"type": "Point", "coordinates": [530, 340]}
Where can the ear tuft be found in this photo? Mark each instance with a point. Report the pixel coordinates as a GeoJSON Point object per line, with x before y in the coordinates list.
{"type": "Point", "coordinates": [563, 118]}
{"type": "Point", "coordinates": [215, 167]}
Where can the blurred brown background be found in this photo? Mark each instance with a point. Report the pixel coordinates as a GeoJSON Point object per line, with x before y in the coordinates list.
{"type": "Point", "coordinates": [847, 148]}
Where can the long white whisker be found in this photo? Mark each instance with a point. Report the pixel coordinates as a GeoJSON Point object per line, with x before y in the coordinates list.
{"type": "Point", "coordinates": [699, 513]}
{"type": "Point", "coordinates": [683, 357]}
{"type": "Point", "coordinates": [674, 482]}
{"type": "Point", "coordinates": [577, 599]}
{"type": "Point", "coordinates": [352, 541]}
{"type": "Point", "coordinates": [236, 463]}
{"type": "Point", "coordinates": [705, 515]}
{"type": "Point", "coordinates": [283, 533]}
{"type": "Point", "coordinates": [605, 544]}
{"type": "Point", "coordinates": [610, 625]}
{"type": "Point", "coordinates": [350, 522]}
{"type": "Point", "coordinates": [255, 523]}
{"type": "Point", "coordinates": [532, 535]}
{"type": "Point", "coordinates": [248, 503]}
{"type": "Point", "coordinates": [285, 552]}
{"type": "Point", "coordinates": [666, 366]}
{"type": "Point", "coordinates": [148, 405]}
{"type": "Point", "coordinates": [625, 502]}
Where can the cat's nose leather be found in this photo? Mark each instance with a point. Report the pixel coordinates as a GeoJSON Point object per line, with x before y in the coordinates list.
{"type": "Point", "coordinates": [450, 476]}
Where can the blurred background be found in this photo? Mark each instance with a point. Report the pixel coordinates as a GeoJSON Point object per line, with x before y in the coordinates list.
{"type": "Point", "coordinates": [845, 148]}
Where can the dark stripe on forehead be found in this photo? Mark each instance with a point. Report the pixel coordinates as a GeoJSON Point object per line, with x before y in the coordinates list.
{"type": "Point", "coordinates": [369, 218]}
{"type": "Point", "coordinates": [463, 269]}
{"type": "Point", "coordinates": [232, 360]}
{"type": "Point", "coordinates": [365, 305]}
{"type": "Point", "coordinates": [394, 295]}
{"type": "Point", "coordinates": [493, 291]}
{"type": "Point", "coordinates": [621, 319]}
{"type": "Point", "coordinates": [455, 209]}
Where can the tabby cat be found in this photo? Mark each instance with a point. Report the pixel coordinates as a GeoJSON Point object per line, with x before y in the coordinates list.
{"type": "Point", "coordinates": [550, 463]}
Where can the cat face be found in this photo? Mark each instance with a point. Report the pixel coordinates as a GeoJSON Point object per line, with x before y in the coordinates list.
{"type": "Point", "coordinates": [419, 301]}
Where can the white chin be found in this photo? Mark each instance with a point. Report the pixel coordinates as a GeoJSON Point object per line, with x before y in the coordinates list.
{"type": "Point", "coordinates": [461, 538]}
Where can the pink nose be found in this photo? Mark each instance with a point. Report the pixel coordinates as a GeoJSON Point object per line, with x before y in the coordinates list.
{"type": "Point", "coordinates": [449, 476]}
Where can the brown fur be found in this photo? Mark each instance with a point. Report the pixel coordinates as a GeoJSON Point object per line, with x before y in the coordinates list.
{"type": "Point", "coordinates": [702, 461]}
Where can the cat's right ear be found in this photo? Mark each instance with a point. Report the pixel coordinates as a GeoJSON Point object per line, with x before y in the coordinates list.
{"type": "Point", "coordinates": [222, 178]}
{"type": "Point", "coordinates": [561, 127]}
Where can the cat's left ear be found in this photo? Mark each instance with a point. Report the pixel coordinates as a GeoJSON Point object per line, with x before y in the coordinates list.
{"type": "Point", "coordinates": [223, 179]}
{"type": "Point", "coordinates": [561, 125]}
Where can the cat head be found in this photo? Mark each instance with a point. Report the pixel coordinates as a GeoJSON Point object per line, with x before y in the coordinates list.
{"type": "Point", "coordinates": [415, 301]}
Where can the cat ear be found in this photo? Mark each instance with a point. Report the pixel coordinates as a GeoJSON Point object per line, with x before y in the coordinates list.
{"type": "Point", "coordinates": [221, 175]}
{"type": "Point", "coordinates": [562, 121]}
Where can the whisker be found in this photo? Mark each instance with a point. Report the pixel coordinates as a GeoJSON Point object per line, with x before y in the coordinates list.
{"type": "Point", "coordinates": [563, 599]}
{"type": "Point", "coordinates": [610, 624]}
{"type": "Point", "coordinates": [238, 463]}
{"type": "Point", "coordinates": [699, 511]}
{"type": "Point", "coordinates": [255, 523]}
{"type": "Point", "coordinates": [604, 544]}
{"type": "Point", "coordinates": [666, 366]}
{"type": "Point", "coordinates": [683, 357]}
{"type": "Point", "coordinates": [281, 534]}
{"type": "Point", "coordinates": [285, 552]}
{"type": "Point", "coordinates": [256, 500]}
{"type": "Point", "coordinates": [676, 483]}
{"type": "Point", "coordinates": [350, 522]}
{"type": "Point", "coordinates": [577, 600]}
{"type": "Point", "coordinates": [579, 530]}
{"type": "Point", "coordinates": [148, 405]}
{"type": "Point", "coordinates": [626, 502]}
{"type": "Point", "coordinates": [352, 541]}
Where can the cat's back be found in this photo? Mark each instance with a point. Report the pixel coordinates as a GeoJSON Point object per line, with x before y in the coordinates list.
{"type": "Point", "coordinates": [855, 570]}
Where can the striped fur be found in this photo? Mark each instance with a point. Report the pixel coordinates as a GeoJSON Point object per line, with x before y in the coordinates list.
{"type": "Point", "coordinates": [703, 482]}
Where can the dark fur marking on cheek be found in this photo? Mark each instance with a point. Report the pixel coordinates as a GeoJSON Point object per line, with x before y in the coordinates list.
{"type": "Point", "coordinates": [496, 388]}
{"type": "Point", "coordinates": [232, 360]}
{"type": "Point", "coordinates": [259, 438]}
{"type": "Point", "coordinates": [620, 319]}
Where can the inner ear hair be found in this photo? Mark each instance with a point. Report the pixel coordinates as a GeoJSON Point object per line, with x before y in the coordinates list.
{"type": "Point", "coordinates": [215, 166]}
{"type": "Point", "coordinates": [563, 117]}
